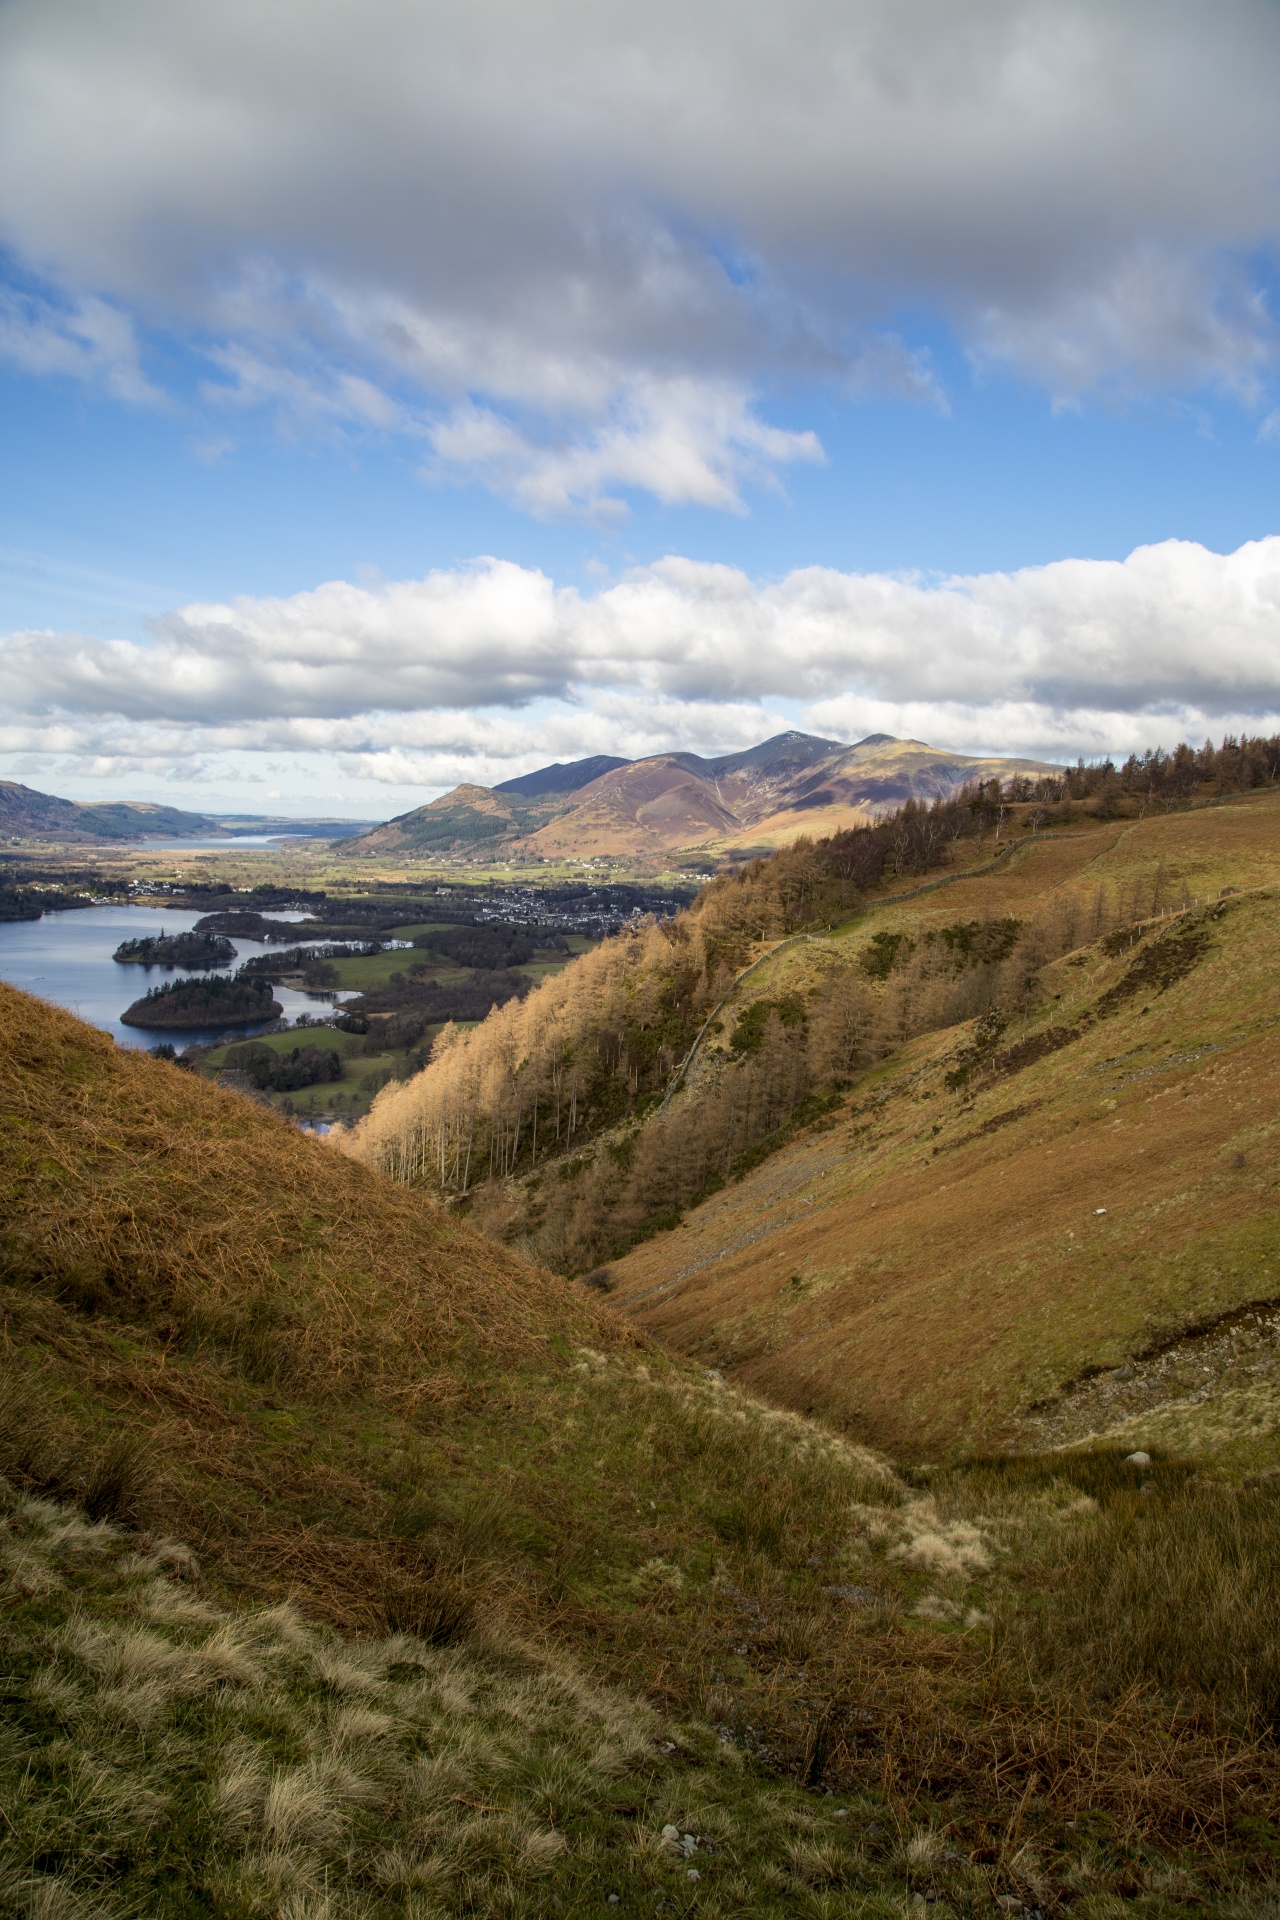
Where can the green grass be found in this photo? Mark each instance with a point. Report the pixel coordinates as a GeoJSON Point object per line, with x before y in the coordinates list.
{"type": "Point", "coordinates": [162, 1754]}
{"type": "Point", "coordinates": [363, 1074]}
{"type": "Point", "coordinates": [167, 1751]}
{"type": "Point", "coordinates": [327, 1037]}
{"type": "Point", "coordinates": [364, 972]}
{"type": "Point", "coordinates": [539, 970]}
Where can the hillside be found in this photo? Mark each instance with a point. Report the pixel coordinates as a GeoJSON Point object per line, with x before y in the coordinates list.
{"type": "Point", "coordinates": [28, 815]}
{"type": "Point", "coordinates": [897, 1089]}
{"type": "Point", "coordinates": [679, 802]}
{"type": "Point", "coordinates": [562, 777]}
{"type": "Point", "coordinates": [1004, 1208]}
{"type": "Point", "coordinates": [569, 1624]}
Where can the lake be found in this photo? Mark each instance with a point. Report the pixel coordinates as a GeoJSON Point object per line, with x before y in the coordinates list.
{"type": "Point", "coordinates": [213, 843]}
{"type": "Point", "coordinates": [66, 958]}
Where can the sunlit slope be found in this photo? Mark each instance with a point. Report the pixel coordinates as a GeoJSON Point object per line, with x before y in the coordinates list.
{"type": "Point", "coordinates": [154, 1193]}
{"type": "Point", "coordinates": [257, 1316]}
{"type": "Point", "coordinates": [944, 1256]}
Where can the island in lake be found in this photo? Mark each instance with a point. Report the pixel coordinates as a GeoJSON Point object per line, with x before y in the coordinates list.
{"type": "Point", "coordinates": [221, 1001]}
{"type": "Point", "coordinates": [176, 950]}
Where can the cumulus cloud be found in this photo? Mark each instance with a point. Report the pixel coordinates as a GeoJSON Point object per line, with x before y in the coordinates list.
{"type": "Point", "coordinates": [572, 246]}
{"type": "Point", "coordinates": [680, 440]}
{"type": "Point", "coordinates": [482, 671]}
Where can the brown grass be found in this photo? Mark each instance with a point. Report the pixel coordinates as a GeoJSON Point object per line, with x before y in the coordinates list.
{"type": "Point", "coordinates": [339, 1395]}
{"type": "Point", "coordinates": [137, 1189]}
{"type": "Point", "coordinates": [177, 1263]}
{"type": "Point", "coordinates": [935, 1263]}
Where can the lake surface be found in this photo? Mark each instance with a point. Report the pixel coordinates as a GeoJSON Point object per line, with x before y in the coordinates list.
{"type": "Point", "coordinates": [66, 958]}
{"type": "Point", "coordinates": [189, 843]}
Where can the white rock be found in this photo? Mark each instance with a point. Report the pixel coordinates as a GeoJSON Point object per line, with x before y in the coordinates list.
{"type": "Point", "coordinates": [691, 1873]}
{"type": "Point", "coordinates": [1138, 1459]}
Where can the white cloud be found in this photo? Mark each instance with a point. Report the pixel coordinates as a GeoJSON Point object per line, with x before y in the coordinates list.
{"type": "Point", "coordinates": [487, 670]}
{"type": "Point", "coordinates": [572, 245]}
{"type": "Point", "coordinates": [680, 440]}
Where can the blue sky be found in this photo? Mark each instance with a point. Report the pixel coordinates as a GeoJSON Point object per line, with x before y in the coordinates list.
{"type": "Point", "coordinates": [441, 398]}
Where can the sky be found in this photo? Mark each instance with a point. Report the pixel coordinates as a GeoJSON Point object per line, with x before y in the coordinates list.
{"type": "Point", "coordinates": [398, 394]}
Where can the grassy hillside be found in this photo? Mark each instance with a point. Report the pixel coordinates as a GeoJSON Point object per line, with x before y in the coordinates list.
{"type": "Point", "coordinates": [351, 1564]}
{"type": "Point", "coordinates": [28, 815]}
{"type": "Point", "coordinates": [1003, 1208]}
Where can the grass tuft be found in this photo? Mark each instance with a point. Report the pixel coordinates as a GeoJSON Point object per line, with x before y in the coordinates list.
{"type": "Point", "coordinates": [118, 1486]}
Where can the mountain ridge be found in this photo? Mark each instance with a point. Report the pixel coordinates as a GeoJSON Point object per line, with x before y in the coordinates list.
{"type": "Point", "coordinates": [26, 814]}
{"type": "Point", "coordinates": [756, 799]}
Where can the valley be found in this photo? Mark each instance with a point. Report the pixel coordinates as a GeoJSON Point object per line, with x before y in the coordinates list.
{"type": "Point", "coordinates": [640, 961]}
{"type": "Point", "coordinates": [427, 1572]}
{"type": "Point", "coordinates": [787, 1397]}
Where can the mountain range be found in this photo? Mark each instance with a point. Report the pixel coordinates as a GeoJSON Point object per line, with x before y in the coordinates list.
{"type": "Point", "coordinates": [26, 814]}
{"type": "Point", "coordinates": [602, 806]}
{"type": "Point", "coordinates": [680, 802]}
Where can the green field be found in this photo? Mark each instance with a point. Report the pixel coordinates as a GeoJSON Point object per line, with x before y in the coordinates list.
{"type": "Point", "coordinates": [364, 972]}
{"type": "Point", "coordinates": [363, 1074]}
{"type": "Point", "coordinates": [342, 1043]}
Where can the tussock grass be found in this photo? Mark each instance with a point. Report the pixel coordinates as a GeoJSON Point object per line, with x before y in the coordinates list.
{"type": "Point", "coordinates": [255, 1766]}
{"type": "Point", "coordinates": [1156, 1577]}
{"type": "Point", "coordinates": [112, 1484]}
{"type": "Point", "coordinates": [540, 1503]}
{"type": "Point", "coordinates": [135, 1193]}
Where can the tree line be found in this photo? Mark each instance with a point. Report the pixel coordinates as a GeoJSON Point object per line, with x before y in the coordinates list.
{"type": "Point", "coordinates": [788, 1059]}
{"type": "Point", "coordinates": [594, 1048]}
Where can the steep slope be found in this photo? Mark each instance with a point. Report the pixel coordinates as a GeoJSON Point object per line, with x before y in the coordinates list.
{"type": "Point", "coordinates": [1000, 1211]}
{"type": "Point", "coordinates": [649, 807]}
{"type": "Point", "coordinates": [563, 777]}
{"type": "Point", "coordinates": [218, 1336]}
{"type": "Point", "coordinates": [481, 821]}
{"type": "Point", "coordinates": [868, 780]}
{"type": "Point", "coordinates": [471, 818]}
{"type": "Point", "coordinates": [765, 797]}
{"type": "Point", "coordinates": [334, 1388]}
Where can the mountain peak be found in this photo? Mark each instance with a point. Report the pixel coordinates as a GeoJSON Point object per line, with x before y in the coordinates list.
{"type": "Point", "coordinates": [564, 776]}
{"type": "Point", "coordinates": [760, 797]}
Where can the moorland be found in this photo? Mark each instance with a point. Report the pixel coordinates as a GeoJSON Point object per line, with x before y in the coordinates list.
{"type": "Point", "coordinates": [776, 1418]}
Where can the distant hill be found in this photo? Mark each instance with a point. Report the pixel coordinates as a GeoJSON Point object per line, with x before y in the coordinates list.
{"type": "Point", "coordinates": [26, 814]}
{"type": "Point", "coordinates": [680, 802]}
